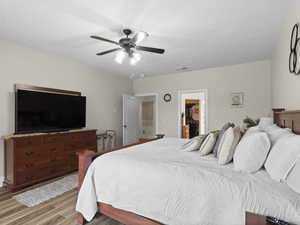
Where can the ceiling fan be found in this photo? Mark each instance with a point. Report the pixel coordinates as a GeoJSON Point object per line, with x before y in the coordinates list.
{"type": "Point", "coordinates": [128, 46]}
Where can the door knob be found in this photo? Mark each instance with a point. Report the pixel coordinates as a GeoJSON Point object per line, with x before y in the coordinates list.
{"type": "Point", "coordinates": [125, 126]}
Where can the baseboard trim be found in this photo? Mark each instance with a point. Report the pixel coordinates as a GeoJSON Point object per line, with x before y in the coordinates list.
{"type": "Point", "coordinates": [1, 181]}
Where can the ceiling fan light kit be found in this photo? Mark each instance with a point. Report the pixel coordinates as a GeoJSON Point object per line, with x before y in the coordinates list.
{"type": "Point", "coordinates": [128, 47]}
{"type": "Point", "coordinates": [134, 58]}
{"type": "Point", "coordinates": [120, 56]}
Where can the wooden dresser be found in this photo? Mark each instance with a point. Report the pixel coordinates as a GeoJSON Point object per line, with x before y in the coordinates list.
{"type": "Point", "coordinates": [35, 158]}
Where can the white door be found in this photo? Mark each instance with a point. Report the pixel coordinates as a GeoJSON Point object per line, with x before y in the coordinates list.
{"type": "Point", "coordinates": [130, 119]}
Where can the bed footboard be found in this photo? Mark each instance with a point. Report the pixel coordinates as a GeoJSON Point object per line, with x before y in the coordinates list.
{"type": "Point", "coordinates": [86, 157]}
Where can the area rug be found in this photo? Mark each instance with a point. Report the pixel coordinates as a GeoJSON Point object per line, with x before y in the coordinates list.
{"type": "Point", "coordinates": [41, 194]}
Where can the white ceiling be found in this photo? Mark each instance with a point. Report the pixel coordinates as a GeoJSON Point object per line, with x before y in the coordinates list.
{"type": "Point", "coordinates": [195, 33]}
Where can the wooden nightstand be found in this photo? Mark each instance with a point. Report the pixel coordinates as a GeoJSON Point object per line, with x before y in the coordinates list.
{"type": "Point", "coordinates": [253, 219]}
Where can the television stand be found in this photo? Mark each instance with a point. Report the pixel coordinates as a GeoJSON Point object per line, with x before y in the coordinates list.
{"type": "Point", "coordinates": [33, 158]}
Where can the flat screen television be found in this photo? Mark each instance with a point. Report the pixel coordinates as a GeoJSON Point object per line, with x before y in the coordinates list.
{"type": "Point", "coordinates": [48, 112]}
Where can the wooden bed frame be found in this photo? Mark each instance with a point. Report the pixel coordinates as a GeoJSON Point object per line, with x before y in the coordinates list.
{"type": "Point", "coordinates": [86, 157]}
{"type": "Point", "coordinates": [284, 119]}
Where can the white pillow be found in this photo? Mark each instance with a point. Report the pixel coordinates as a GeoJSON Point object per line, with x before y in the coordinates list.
{"type": "Point", "coordinates": [192, 145]}
{"type": "Point", "coordinates": [252, 130]}
{"type": "Point", "coordinates": [208, 144]}
{"type": "Point", "coordinates": [228, 143]}
{"type": "Point", "coordinates": [265, 122]}
{"type": "Point", "coordinates": [270, 128]}
{"type": "Point", "coordinates": [293, 180]}
{"type": "Point", "coordinates": [283, 157]}
{"type": "Point", "coordinates": [251, 153]}
{"type": "Point", "coordinates": [275, 133]}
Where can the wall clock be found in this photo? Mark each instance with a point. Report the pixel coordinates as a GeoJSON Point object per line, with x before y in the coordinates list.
{"type": "Point", "coordinates": [294, 59]}
{"type": "Point", "coordinates": [167, 97]}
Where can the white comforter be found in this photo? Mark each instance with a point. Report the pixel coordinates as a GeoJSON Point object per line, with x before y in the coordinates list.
{"type": "Point", "coordinates": [159, 181]}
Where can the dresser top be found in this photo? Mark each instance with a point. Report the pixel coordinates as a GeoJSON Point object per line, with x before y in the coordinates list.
{"type": "Point", "coordinates": [50, 133]}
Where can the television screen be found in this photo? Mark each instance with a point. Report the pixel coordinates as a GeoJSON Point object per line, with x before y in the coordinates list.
{"type": "Point", "coordinates": [46, 112]}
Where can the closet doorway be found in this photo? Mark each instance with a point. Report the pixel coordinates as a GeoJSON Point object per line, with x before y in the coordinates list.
{"type": "Point", "coordinates": [192, 113]}
{"type": "Point", "coordinates": [148, 114]}
{"type": "Point", "coordinates": [140, 117]}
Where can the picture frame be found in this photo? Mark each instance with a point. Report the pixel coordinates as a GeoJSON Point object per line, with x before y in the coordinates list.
{"type": "Point", "coordinates": [237, 99]}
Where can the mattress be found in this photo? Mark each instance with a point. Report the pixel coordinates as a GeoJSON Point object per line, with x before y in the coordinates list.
{"type": "Point", "coordinates": [159, 181]}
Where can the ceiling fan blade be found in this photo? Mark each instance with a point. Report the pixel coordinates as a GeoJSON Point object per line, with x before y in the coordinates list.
{"type": "Point", "coordinates": [109, 51]}
{"type": "Point", "coordinates": [149, 49]}
{"type": "Point", "coordinates": [104, 39]}
{"type": "Point", "coordinates": [139, 37]}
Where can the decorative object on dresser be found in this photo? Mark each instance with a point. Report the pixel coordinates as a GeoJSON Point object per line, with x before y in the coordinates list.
{"type": "Point", "coordinates": [294, 62]}
{"type": "Point", "coordinates": [31, 159]}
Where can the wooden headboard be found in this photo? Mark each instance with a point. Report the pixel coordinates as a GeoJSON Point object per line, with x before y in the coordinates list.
{"type": "Point", "coordinates": [287, 119]}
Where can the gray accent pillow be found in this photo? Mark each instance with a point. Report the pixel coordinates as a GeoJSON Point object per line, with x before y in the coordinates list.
{"type": "Point", "coordinates": [224, 128]}
{"type": "Point", "coordinates": [208, 144]}
{"type": "Point", "coordinates": [193, 144]}
{"type": "Point", "coordinates": [228, 144]}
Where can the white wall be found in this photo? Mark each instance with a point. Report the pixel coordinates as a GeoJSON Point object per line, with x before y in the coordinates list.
{"type": "Point", "coordinates": [252, 78]}
{"type": "Point", "coordinates": [26, 66]}
{"type": "Point", "coordinates": [285, 86]}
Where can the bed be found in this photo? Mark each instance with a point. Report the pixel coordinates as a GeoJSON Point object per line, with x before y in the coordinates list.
{"type": "Point", "coordinates": [156, 183]}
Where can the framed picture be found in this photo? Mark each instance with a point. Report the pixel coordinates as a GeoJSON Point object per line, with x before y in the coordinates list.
{"type": "Point", "coordinates": [237, 99]}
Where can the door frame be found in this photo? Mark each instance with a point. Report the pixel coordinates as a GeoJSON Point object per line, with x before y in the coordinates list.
{"type": "Point", "coordinates": [156, 106]}
{"type": "Point", "coordinates": [180, 92]}
{"type": "Point", "coordinates": [123, 116]}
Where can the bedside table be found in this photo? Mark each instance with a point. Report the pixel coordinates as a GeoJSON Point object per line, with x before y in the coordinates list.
{"type": "Point", "coordinates": [253, 219]}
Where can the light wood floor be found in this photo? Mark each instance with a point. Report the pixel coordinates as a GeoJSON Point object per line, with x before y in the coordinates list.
{"type": "Point", "coordinates": [56, 211]}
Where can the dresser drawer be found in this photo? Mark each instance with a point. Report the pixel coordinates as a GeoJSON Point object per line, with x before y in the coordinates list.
{"type": "Point", "coordinates": [80, 136]}
{"type": "Point", "coordinates": [51, 139]}
{"type": "Point", "coordinates": [74, 165]}
{"type": "Point", "coordinates": [24, 154]}
{"type": "Point", "coordinates": [54, 148]}
{"type": "Point", "coordinates": [32, 175]}
{"type": "Point", "coordinates": [76, 136]}
{"type": "Point", "coordinates": [58, 157]}
{"type": "Point", "coordinates": [32, 164]}
{"type": "Point", "coordinates": [90, 142]}
{"type": "Point", "coordinates": [59, 167]}
{"type": "Point", "coordinates": [75, 145]}
{"type": "Point", "coordinates": [25, 142]}
{"type": "Point", "coordinates": [89, 135]}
